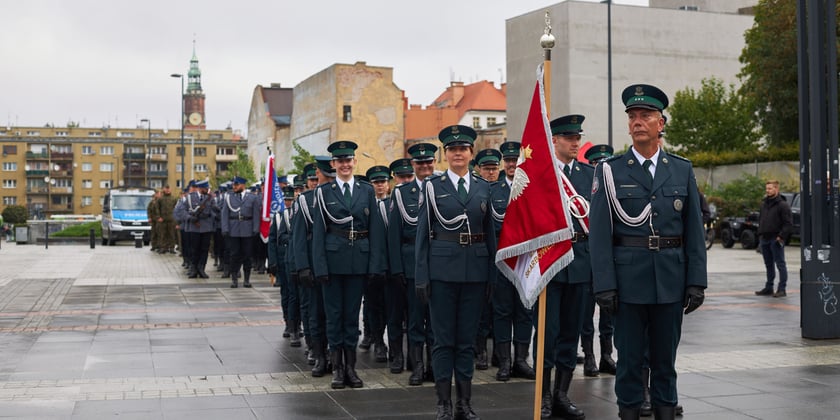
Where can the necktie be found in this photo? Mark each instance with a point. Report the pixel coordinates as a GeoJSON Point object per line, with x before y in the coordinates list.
{"type": "Point", "coordinates": [567, 170]}
{"type": "Point", "coordinates": [347, 193]}
{"type": "Point", "coordinates": [462, 190]}
{"type": "Point", "coordinates": [646, 164]}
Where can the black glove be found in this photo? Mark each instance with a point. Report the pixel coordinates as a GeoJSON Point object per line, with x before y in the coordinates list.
{"type": "Point", "coordinates": [306, 278]}
{"type": "Point", "coordinates": [294, 277]}
{"type": "Point", "coordinates": [694, 297]}
{"type": "Point", "coordinates": [399, 278]}
{"type": "Point", "coordinates": [488, 291]}
{"type": "Point", "coordinates": [607, 301]}
{"type": "Point", "coordinates": [272, 269]}
{"type": "Point", "coordinates": [323, 280]}
{"type": "Point", "coordinates": [423, 291]}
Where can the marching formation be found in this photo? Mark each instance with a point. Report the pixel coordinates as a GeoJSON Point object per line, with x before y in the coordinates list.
{"type": "Point", "coordinates": [416, 263]}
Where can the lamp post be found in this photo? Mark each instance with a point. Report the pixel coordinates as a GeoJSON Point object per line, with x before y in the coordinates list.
{"type": "Point", "coordinates": [148, 150]}
{"type": "Point", "coordinates": [181, 76]}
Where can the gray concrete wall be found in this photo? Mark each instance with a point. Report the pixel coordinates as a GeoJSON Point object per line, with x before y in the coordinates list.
{"type": "Point", "coordinates": [717, 6]}
{"type": "Point", "coordinates": [671, 49]}
{"type": "Point", "coordinates": [787, 173]}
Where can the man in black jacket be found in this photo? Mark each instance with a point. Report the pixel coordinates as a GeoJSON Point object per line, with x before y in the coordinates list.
{"type": "Point", "coordinates": [774, 228]}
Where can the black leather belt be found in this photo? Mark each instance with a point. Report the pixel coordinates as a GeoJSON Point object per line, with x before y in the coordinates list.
{"type": "Point", "coordinates": [462, 238]}
{"type": "Point", "coordinates": [579, 237]}
{"type": "Point", "coordinates": [653, 243]}
{"type": "Point", "coordinates": [240, 217]}
{"type": "Point", "coordinates": [353, 235]}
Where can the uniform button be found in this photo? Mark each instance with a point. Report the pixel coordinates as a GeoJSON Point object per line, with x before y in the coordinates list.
{"type": "Point", "coordinates": [655, 214]}
{"type": "Point", "coordinates": [653, 197]}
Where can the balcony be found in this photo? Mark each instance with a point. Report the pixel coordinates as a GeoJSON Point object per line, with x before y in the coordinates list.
{"type": "Point", "coordinates": [60, 208]}
{"type": "Point", "coordinates": [61, 174]}
{"type": "Point", "coordinates": [226, 158]}
{"type": "Point", "coordinates": [162, 157]}
{"type": "Point", "coordinates": [36, 190]}
{"type": "Point", "coordinates": [158, 174]}
{"type": "Point", "coordinates": [61, 156]}
{"type": "Point", "coordinates": [134, 173]}
{"type": "Point", "coordinates": [134, 156]}
{"type": "Point", "coordinates": [61, 190]}
{"type": "Point", "coordinates": [36, 156]}
{"type": "Point", "coordinates": [37, 173]}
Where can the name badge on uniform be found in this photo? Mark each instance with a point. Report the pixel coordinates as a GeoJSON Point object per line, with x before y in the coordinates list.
{"type": "Point", "coordinates": [367, 212]}
{"type": "Point", "coordinates": [678, 205]}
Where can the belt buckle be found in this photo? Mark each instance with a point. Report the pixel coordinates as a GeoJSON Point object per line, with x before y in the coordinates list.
{"type": "Point", "coordinates": [574, 237]}
{"type": "Point", "coordinates": [653, 243]}
{"type": "Point", "coordinates": [464, 239]}
{"type": "Point", "coordinates": [351, 234]}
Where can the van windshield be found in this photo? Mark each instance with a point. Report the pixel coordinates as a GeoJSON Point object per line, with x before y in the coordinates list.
{"type": "Point", "coordinates": [130, 202]}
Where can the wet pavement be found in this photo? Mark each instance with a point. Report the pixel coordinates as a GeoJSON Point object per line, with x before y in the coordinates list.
{"type": "Point", "coordinates": [120, 332]}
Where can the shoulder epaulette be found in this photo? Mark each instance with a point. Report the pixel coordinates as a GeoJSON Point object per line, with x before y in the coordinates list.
{"type": "Point", "coordinates": [479, 179]}
{"type": "Point", "coordinates": [677, 157]}
{"type": "Point", "coordinates": [363, 182]}
{"type": "Point", "coordinates": [612, 158]}
{"type": "Point", "coordinates": [586, 165]}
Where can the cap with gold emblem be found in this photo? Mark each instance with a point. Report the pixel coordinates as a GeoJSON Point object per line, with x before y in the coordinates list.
{"type": "Point", "coordinates": [402, 166]}
{"type": "Point", "coordinates": [289, 193]}
{"type": "Point", "coordinates": [567, 125]}
{"type": "Point", "coordinates": [378, 172]}
{"type": "Point", "coordinates": [309, 171]}
{"type": "Point", "coordinates": [457, 135]}
{"type": "Point", "coordinates": [598, 153]}
{"type": "Point", "coordinates": [323, 164]}
{"type": "Point", "coordinates": [644, 96]}
{"type": "Point", "coordinates": [510, 149]}
{"type": "Point", "coordinates": [488, 157]}
{"type": "Point", "coordinates": [422, 152]}
{"type": "Point", "coordinates": [342, 149]}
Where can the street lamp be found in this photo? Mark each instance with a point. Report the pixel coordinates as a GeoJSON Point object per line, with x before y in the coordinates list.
{"type": "Point", "coordinates": [181, 76]}
{"type": "Point", "coordinates": [148, 150]}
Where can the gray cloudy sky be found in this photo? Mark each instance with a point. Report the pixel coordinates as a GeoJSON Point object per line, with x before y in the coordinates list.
{"type": "Point", "coordinates": [103, 62]}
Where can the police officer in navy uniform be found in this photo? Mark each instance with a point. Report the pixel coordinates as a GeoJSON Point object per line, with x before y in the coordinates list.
{"type": "Point", "coordinates": [487, 162]}
{"type": "Point", "coordinates": [374, 294]}
{"type": "Point", "coordinates": [278, 245]}
{"type": "Point", "coordinates": [311, 296]}
{"type": "Point", "coordinates": [201, 227]}
{"type": "Point", "coordinates": [650, 268]}
{"type": "Point", "coordinates": [455, 246]}
{"type": "Point", "coordinates": [594, 155]}
{"type": "Point", "coordinates": [402, 234]}
{"type": "Point", "coordinates": [348, 247]}
{"type": "Point", "coordinates": [509, 314]}
{"type": "Point", "coordinates": [240, 223]}
{"type": "Point", "coordinates": [218, 238]}
{"type": "Point", "coordinates": [566, 290]}
{"type": "Point", "coordinates": [396, 303]}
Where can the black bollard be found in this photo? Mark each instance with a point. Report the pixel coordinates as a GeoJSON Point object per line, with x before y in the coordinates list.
{"type": "Point", "coordinates": [47, 236]}
{"type": "Point", "coordinates": [92, 239]}
{"type": "Point", "coordinates": [138, 241]}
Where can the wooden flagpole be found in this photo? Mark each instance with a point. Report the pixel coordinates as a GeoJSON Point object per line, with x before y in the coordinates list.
{"type": "Point", "coordinates": [547, 43]}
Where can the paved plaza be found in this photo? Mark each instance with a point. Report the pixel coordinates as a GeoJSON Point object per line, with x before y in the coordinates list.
{"type": "Point", "coordinates": [120, 332]}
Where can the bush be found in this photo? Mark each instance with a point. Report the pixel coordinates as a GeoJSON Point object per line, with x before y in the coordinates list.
{"type": "Point", "coordinates": [14, 214]}
{"type": "Point", "coordinates": [80, 231]}
{"type": "Point", "coordinates": [739, 197]}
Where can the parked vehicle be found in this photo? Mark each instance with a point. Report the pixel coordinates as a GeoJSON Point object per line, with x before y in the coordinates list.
{"type": "Point", "coordinates": [740, 229]}
{"type": "Point", "coordinates": [710, 226]}
{"type": "Point", "coordinates": [796, 217]}
{"type": "Point", "coordinates": [124, 214]}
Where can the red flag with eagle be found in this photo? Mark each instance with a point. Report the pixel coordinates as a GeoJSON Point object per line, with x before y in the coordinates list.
{"type": "Point", "coordinates": [535, 242]}
{"type": "Point", "coordinates": [272, 200]}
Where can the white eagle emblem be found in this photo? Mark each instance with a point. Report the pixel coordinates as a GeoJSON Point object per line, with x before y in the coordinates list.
{"type": "Point", "coordinates": [520, 181]}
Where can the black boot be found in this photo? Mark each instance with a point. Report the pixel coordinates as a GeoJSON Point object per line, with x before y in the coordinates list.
{"type": "Point", "coordinates": [397, 359]}
{"type": "Point", "coordinates": [429, 374]}
{"type": "Point", "coordinates": [443, 389]}
{"type": "Point", "coordinates": [416, 377]}
{"type": "Point", "coordinates": [561, 405]}
{"type": "Point", "coordinates": [463, 410]}
{"type": "Point", "coordinates": [590, 369]}
{"type": "Point", "coordinates": [336, 358]}
{"type": "Point", "coordinates": [628, 413]}
{"type": "Point", "coordinates": [226, 271]}
{"type": "Point", "coordinates": [664, 413]}
{"type": "Point", "coordinates": [646, 410]}
{"type": "Point", "coordinates": [317, 352]}
{"type": "Point", "coordinates": [520, 364]}
{"type": "Point", "coordinates": [503, 352]}
{"type": "Point", "coordinates": [366, 342]}
{"type": "Point", "coordinates": [201, 272]}
{"type": "Point", "coordinates": [294, 337]}
{"type": "Point", "coordinates": [607, 364]}
{"type": "Point", "coordinates": [192, 271]}
{"type": "Point", "coordinates": [234, 281]}
{"type": "Point", "coordinates": [247, 282]}
{"type": "Point", "coordinates": [380, 350]}
{"type": "Point", "coordinates": [215, 261]}
{"type": "Point", "coordinates": [481, 354]}
{"type": "Point", "coordinates": [350, 376]}
{"type": "Point", "coordinates": [545, 407]}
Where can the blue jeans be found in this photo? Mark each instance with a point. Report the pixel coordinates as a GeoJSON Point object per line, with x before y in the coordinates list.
{"type": "Point", "coordinates": [774, 253]}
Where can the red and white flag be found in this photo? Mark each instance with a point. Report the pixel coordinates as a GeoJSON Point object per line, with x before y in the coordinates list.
{"type": "Point", "coordinates": [535, 242]}
{"type": "Point", "coordinates": [272, 200]}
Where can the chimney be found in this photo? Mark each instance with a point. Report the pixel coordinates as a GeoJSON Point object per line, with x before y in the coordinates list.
{"type": "Point", "coordinates": [275, 85]}
{"type": "Point", "coordinates": [504, 89]}
{"type": "Point", "coordinates": [457, 92]}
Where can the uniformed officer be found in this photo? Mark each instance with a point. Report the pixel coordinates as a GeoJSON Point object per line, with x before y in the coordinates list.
{"type": "Point", "coordinates": [166, 220]}
{"type": "Point", "coordinates": [651, 259]}
{"type": "Point", "coordinates": [508, 311]}
{"type": "Point", "coordinates": [218, 238]}
{"type": "Point", "coordinates": [374, 293]}
{"type": "Point", "coordinates": [240, 223]}
{"type": "Point", "coordinates": [348, 246]}
{"type": "Point", "coordinates": [594, 155]}
{"type": "Point", "coordinates": [152, 213]}
{"type": "Point", "coordinates": [395, 288]}
{"type": "Point", "coordinates": [487, 161]}
{"type": "Point", "coordinates": [278, 245]}
{"type": "Point", "coordinates": [200, 227]}
{"type": "Point", "coordinates": [180, 215]}
{"type": "Point", "coordinates": [402, 234]}
{"type": "Point", "coordinates": [488, 164]}
{"type": "Point", "coordinates": [455, 272]}
{"type": "Point", "coordinates": [565, 292]}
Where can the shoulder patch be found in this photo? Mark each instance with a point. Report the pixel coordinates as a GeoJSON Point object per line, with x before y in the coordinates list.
{"type": "Point", "coordinates": [612, 158]}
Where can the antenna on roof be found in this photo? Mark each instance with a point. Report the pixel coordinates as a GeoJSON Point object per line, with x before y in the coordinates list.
{"type": "Point", "coordinates": [451, 74]}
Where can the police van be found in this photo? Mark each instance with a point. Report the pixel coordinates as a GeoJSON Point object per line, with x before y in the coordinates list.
{"type": "Point", "coordinates": [124, 215]}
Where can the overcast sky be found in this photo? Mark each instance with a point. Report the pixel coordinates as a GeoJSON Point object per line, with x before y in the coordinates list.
{"type": "Point", "coordinates": [107, 62]}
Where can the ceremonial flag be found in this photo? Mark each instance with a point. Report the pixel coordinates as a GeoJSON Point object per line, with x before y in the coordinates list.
{"type": "Point", "coordinates": [535, 242]}
{"type": "Point", "coordinates": [272, 201]}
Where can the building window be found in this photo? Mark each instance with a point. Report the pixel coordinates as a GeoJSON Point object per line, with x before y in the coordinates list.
{"type": "Point", "coordinates": [9, 166]}
{"type": "Point", "coordinates": [64, 148]}
{"type": "Point", "coordinates": [201, 167]}
{"type": "Point", "coordinates": [225, 151]}
{"type": "Point", "coordinates": [106, 167]}
{"type": "Point", "coordinates": [157, 135]}
{"type": "Point", "coordinates": [216, 136]}
{"type": "Point", "coordinates": [125, 134]}
{"type": "Point", "coordinates": [200, 151]}
{"type": "Point", "coordinates": [94, 134]}
{"type": "Point", "coordinates": [491, 121]}
{"type": "Point", "coordinates": [87, 150]}
{"type": "Point", "coordinates": [87, 200]}
{"type": "Point", "coordinates": [476, 122]}
{"type": "Point", "coordinates": [347, 113]}
{"type": "Point", "coordinates": [9, 183]}
{"type": "Point", "coordinates": [106, 150]}
{"type": "Point", "coordinates": [61, 134]}
{"type": "Point", "coordinates": [87, 167]}
{"type": "Point", "coordinates": [9, 201]}
{"type": "Point", "coordinates": [178, 168]}
{"type": "Point", "coordinates": [33, 133]}
{"type": "Point", "coordinates": [158, 150]}
{"type": "Point", "coordinates": [179, 151]}
{"type": "Point", "coordinates": [105, 184]}
{"type": "Point", "coordinates": [87, 183]}
{"type": "Point", "coordinates": [156, 183]}
{"type": "Point", "coordinates": [10, 150]}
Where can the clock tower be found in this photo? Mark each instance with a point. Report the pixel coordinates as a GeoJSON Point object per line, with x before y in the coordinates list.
{"type": "Point", "coordinates": [194, 98]}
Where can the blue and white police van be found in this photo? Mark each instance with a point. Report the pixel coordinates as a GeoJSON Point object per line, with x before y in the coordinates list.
{"type": "Point", "coordinates": [124, 215]}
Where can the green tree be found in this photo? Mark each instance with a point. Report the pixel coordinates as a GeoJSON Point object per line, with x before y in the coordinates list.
{"type": "Point", "coordinates": [769, 74]}
{"type": "Point", "coordinates": [14, 214]}
{"type": "Point", "coordinates": [711, 119]}
{"type": "Point", "coordinates": [301, 158]}
{"type": "Point", "coordinates": [242, 166]}
{"type": "Point", "coordinates": [739, 197]}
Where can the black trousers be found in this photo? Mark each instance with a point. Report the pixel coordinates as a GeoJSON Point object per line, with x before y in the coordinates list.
{"type": "Point", "coordinates": [241, 251]}
{"type": "Point", "coordinates": [200, 246]}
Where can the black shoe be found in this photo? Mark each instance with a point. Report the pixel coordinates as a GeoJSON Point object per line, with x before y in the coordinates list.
{"type": "Point", "coordinates": [481, 362]}
{"type": "Point", "coordinates": [365, 343]}
{"type": "Point", "coordinates": [337, 360]}
{"type": "Point", "coordinates": [247, 284]}
{"type": "Point", "coordinates": [380, 352]}
{"type": "Point", "coordinates": [350, 376]}
{"type": "Point", "coordinates": [295, 339]}
{"type": "Point", "coordinates": [678, 410]}
{"type": "Point", "coordinates": [416, 356]}
{"type": "Point", "coordinates": [397, 357]}
{"type": "Point", "coordinates": [503, 352]}
{"type": "Point", "coordinates": [288, 331]}
{"type": "Point", "coordinates": [561, 405]}
{"type": "Point", "coordinates": [780, 293]}
{"type": "Point", "coordinates": [463, 409]}
{"type": "Point", "coordinates": [520, 368]}
{"type": "Point", "coordinates": [764, 292]}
